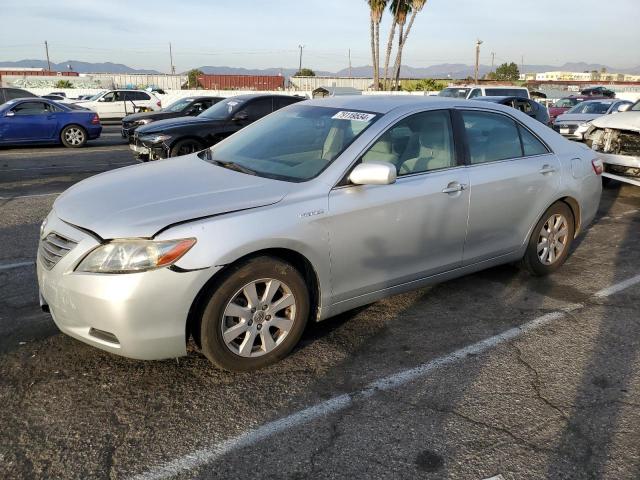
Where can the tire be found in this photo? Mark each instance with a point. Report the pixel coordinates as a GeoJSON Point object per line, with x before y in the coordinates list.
{"type": "Point", "coordinates": [185, 147]}
{"type": "Point", "coordinates": [241, 343]}
{"type": "Point", "coordinates": [73, 136]}
{"type": "Point", "coordinates": [559, 222]}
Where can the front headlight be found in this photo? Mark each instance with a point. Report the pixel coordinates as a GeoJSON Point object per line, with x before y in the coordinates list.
{"type": "Point", "coordinates": [155, 138]}
{"type": "Point", "coordinates": [585, 125]}
{"type": "Point", "coordinates": [144, 121]}
{"type": "Point", "coordinates": [135, 255]}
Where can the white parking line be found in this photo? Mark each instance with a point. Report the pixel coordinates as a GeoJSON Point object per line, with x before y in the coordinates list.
{"type": "Point", "coordinates": [251, 437]}
{"type": "Point", "coordinates": [30, 196]}
{"type": "Point", "coordinates": [9, 266]}
{"type": "Point", "coordinates": [61, 151]}
{"type": "Point", "coordinates": [122, 164]}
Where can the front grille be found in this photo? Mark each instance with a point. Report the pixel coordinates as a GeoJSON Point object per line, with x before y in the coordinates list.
{"type": "Point", "coordinates": [53, 247]}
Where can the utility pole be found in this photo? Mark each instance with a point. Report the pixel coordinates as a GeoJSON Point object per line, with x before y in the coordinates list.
{"type": "Point", "coordinates": [522, 64]}
{"type": "Point", "coordinates": [349, 63]}
{"type": "Point", "coordinates": [478, 43]}
{"type": "Point", "coordinates": [173, 68]}
{"type": "Point", "coordinates": [46, 48]}
{"type": "Point", "coordinates": [493, 60]}
{"type": "Point", "coordinates": [300, 67]}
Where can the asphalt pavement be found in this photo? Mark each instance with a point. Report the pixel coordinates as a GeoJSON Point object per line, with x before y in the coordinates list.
{"type": "Point", "coordinates": [493, 374]}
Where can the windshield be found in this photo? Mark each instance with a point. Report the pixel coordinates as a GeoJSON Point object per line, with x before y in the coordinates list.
{"type": "Point", "coordinates": [565, 103]}
{"type": "Point", "coordinates": [591, 107]}
{"type": "Point", "coordinates": [454, 92]}
{"type": "Point", "coordinates": [222, 110]}
{"type": "Point", "coordinates": [95, 97]}
{"type": "Point", "coordinates": [635, 107]}
{"type": "Point", "coordinates": [294, 144]}
{"type": "Point", "coordinates": [179, 105]}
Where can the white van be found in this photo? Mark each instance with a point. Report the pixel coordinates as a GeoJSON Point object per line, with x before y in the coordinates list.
{"type": "Point", "coordinates": [116, 104]}
{"type": "Point", "coordinates": [473, 91]}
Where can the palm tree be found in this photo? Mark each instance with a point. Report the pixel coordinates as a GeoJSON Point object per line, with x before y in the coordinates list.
{"type": "Point", "coordinates": [395, 10]}
{"type": "Point", "coordinates": [400, 9]}
{"type": "Point", "coordinates": [416, 6]}
{"type": "Point", "coordinates": [377, 10]}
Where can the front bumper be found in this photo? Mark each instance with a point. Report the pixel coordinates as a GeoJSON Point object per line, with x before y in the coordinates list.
{"type": "Point", "coordinates": [140, 315]}
{"type": "Point", "coordinates": [572, 132]}
{"type": "Point", "coordinates": [150, 151]}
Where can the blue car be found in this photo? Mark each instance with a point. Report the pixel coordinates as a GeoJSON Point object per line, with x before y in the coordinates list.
{"type": "Point", "coordinates": [37, 120]}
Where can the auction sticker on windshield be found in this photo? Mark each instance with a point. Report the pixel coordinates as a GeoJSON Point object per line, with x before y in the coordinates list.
{"type": "Point", "coordinates": [358, 116]}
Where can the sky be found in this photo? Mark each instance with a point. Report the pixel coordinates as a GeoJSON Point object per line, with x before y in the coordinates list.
{"type": "Point", "coordinates": [266, 33]}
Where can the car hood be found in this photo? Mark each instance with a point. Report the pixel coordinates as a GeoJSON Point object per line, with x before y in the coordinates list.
{"type": "Point", "coordinates": [140, 200]}
{"type": "Point", "coordinates": [163, 125]}
{"type": "Point", "coordinates": [577, 117]}
{"type": "Point", "coordinates": [620, 121]}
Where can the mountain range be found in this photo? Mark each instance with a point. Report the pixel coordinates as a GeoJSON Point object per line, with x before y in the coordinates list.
{"type": "Point", "coordinates": [444, 70]}
{"type": "Point", "coordinates": [76, 66]}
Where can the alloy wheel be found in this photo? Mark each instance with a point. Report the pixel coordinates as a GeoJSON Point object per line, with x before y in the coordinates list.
{"type": "Point", "coordinates": [553, 239]}
{"type": "Point", "coordinates": [74, 136]}
{"type": "Point", "coordinates": [258, 317]}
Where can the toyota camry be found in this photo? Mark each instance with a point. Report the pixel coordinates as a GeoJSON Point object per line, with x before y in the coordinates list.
{"type": "Point", "coordinates": [318, 208]}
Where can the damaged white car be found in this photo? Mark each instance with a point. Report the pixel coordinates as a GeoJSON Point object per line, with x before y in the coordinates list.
{"type": "Point", "coordinates": [617, 138]}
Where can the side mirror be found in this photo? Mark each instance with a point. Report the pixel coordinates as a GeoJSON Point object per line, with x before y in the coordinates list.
{"type": "Point", "coordinates": [624, 107]}
{"type": "Point", "coordinates": [10, 113]}
{"type": "Point", "coordinates": [373, 173]}
{"type": "Point", "coordinates": [242, 115]}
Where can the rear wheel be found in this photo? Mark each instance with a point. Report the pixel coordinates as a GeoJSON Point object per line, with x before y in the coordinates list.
{"type": "Point", "coordinates": [185, 147]}
{"type": "Point", "coordinates": [550, 241]}
{"type": "Point", "coordinates": [73, 136]}
{"type": "Point", "coordinates": [255, 316]}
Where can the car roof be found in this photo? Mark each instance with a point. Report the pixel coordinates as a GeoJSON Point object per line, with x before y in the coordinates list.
{"type": "Point", "coordinates": [501, 98]}
{"type": "Point", "coordinates": [384, 103]}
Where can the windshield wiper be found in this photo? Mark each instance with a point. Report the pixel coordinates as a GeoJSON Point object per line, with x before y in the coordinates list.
{"type": "Point", "coordinates": [234, 166]}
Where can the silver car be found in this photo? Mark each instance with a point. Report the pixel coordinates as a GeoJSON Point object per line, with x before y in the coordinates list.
{"type": "Point", "coordinates": [575, 122]}
{"type": "Point", "coordinates": [321, 207]}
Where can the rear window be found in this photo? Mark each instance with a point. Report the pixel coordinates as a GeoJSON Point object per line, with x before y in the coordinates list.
{"type": "Point", "coordinates": [454, 92]}
{"type": "Point", "coordinates": [506, 92]}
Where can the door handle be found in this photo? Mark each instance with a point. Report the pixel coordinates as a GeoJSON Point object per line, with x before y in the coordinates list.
{"type": "Point", "coordinates": [546, 169]}
{"type": "Point", "coordinates": [454, 187]}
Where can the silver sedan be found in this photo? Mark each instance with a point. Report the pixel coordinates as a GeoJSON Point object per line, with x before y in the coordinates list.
{"type": "Point", "coordinates": [321, 207]}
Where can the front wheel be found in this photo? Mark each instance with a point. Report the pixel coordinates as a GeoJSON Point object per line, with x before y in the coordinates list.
{"type": "Point", "coordinates": [255, 316]}
{"type": "Point", "coordinates": [73, 136]}
{"type": "Point", "coordinates": [185, 147]}
{"type": "Point", "coordinates": [550, 240]}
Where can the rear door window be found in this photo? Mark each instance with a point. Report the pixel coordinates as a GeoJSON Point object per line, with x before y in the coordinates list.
{"type": "Point", "coordinates": [491, 137]}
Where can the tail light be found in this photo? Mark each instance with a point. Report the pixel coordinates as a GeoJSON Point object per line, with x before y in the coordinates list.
{"type": "Point", "coordinates": [597, 165]}
{"type": "Point", "coordinates": [95, 120]}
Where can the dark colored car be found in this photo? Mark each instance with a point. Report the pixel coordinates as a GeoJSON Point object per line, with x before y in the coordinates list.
{"type": "Point", "coordinates": [598, 92]}
{"type": "Point", "coordinates": [56, 98]}
{"type": "Point", "coordinates": [525, 105]}
{"type": "Point", "coordinates": [562, 105]}
{"type": "Point", "coordinates": [185, 107]}
{"type": "Point", "coordinates": [181, 136]}
{"type": "Point", "coordinates": [37, 120]}
{"type": "Point", "coordinates": [7, 94]}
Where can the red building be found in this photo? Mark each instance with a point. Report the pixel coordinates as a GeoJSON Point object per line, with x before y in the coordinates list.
{"type": "Point", "coordinates": [241, 82]}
